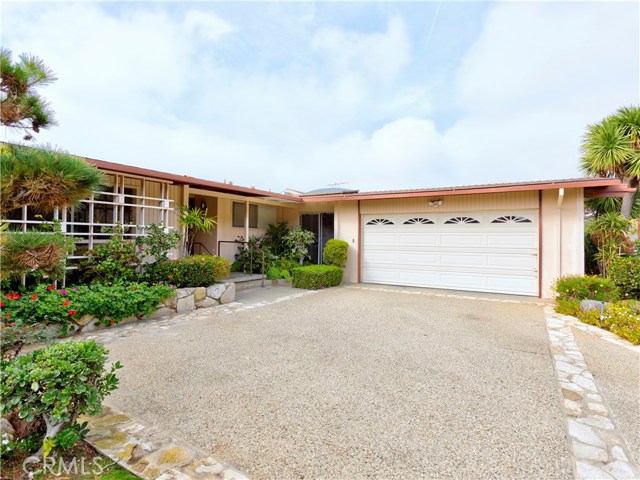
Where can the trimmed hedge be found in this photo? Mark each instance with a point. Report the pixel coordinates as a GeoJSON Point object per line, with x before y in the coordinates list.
{"type": "Point", "coordinates": [193, 271]}
{"type": "Point", "coordinates": [315, 277]}
{"type": "Point", "coordinates": [335, 253]}
{"type": "Point", "coordinates": [625, 273]}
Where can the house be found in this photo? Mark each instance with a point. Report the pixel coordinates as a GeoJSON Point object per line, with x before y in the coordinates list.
{"type": "Point", "coordinates": [512, 238]}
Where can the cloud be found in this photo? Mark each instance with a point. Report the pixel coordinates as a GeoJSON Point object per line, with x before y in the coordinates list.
{"type": "Point", "coordinates": [207, 26]}
{"type": "Point", "coordinates": [383, 54]}
{"type": "Point", "coordinates": [199, 91]}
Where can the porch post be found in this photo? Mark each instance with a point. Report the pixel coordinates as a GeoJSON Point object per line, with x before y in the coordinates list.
{"type": "Point", "coordinates": [246, 221]}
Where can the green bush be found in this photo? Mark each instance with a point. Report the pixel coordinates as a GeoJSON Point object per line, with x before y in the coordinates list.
{"type": "Point", "coordinates": [57, 383]}
{"type": "Point", "coordinates": [274, 273]}
{"type": "Point", "coordinates": [110, 304]}
{"type": "Point", "coordinates": [625, 273]}
{"type": "Point", "coordinates": [194, 271]}
{"type": "Point", "coordinates": [314, 277]}
{"type": "Point", "coordinates": [335, 253]}
{"type": "Point", "coordinates": [580, 287]}
{"type": "Point", "coordinates": [567, 307]}
{"type": "Point", "coordinates": [114, 261]}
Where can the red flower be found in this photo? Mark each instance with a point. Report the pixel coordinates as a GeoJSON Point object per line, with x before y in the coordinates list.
{"type": "Point", "coordinates": [72, 312]}
{"type": "Point", "coordinates": [1, 304]}
{"type": "Point", "coordinates": [34, 296]}
{"type": "Point", "coordinates": [7, 315]}
{"type": "Point", "coordinates": [66, 302]}
{"type": "Point", "coordinates": [13, 296]}
{"type": "Point", "coordinates": [51, 287]}
{"type": "Point", "coordinates": [12, 324]}
{"type": "Point", "coordinates": [112, 323]}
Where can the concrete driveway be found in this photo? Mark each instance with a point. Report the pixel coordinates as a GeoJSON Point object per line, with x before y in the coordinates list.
{"type": "Point", "coordinates": [349, 383]}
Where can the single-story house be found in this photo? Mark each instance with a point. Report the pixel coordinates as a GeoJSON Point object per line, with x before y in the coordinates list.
{"type": "Point", "coordinates": [512, 238]}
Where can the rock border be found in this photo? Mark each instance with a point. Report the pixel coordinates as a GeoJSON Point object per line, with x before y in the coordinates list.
{"type": "Point", "coordinates": [150, 453]}
{"type": "Point", "coordinates": [599, 450]}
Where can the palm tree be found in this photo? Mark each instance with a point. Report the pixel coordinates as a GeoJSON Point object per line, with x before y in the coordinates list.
{"type": "Point", "coordinates": [194, 220]}
{"type": "Point", "coordinates": [611, 148]}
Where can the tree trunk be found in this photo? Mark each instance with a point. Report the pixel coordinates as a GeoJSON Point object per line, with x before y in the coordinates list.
{"type": "Point", "coordinates": [52, 430]}
{"type": "Point", "coordinates": [627, 199]}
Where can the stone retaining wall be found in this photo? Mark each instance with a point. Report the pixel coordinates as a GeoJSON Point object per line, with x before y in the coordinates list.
{"type": "Point", "coordinates": [185, 300]}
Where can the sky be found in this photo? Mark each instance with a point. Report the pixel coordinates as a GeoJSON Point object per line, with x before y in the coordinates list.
{"type": "Point", "coordinates": [303, 95]}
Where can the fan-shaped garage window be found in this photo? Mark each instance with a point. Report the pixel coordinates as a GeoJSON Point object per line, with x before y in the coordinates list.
{"type": "Point", "coordinates": [418, 221]}
{"type": "Point", "coordinates": [511, 219]}
{"type": "Point", "coordinates": [380, 221]}
{"type": "Point", "coordinates": [457, 220]}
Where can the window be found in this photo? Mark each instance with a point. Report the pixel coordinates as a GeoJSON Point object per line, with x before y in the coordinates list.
{"type": "Point", "coordinates": [239, 214]}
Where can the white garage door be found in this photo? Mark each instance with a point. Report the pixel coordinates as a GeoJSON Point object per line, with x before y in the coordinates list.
{"type": "Point", "coordinates": [486, 252]}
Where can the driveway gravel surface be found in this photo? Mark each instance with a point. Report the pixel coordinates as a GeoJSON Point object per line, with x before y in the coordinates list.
{"type": "Point", "coordinates": [349, 384]}
{"type": "Point", "coordinates": [617, 371]}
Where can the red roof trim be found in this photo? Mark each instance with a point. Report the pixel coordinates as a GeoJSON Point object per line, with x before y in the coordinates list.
{"type": "Point", "coordinates": [585, 183]}
{"type": "Point", "coordinates": [191, 181]}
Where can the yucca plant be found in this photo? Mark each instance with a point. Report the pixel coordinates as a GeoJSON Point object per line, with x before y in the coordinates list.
{"type": "Point", "coordinates": [43, 178]}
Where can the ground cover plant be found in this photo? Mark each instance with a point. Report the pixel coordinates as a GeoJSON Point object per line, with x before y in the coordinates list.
{"type": "Point", "coordinates": [620, 317]}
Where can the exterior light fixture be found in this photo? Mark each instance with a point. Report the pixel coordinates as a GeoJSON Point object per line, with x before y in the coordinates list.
{"type": "Point", "coordinates": [203, 205]}
{"type": "Point", "coordinates": [436, 203]}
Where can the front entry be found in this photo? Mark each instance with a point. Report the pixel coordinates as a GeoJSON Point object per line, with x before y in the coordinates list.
{"type": "Point", "coordinates": [321, 224]}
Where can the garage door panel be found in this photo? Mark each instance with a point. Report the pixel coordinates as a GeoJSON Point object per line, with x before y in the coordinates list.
{"type": "Point", "coordinates": [512, 240]}
{"type": "Point", "coordinates": [483, 256]}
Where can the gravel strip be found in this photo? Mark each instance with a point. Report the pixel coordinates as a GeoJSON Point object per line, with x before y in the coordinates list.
{"type": "Point", "coordinates": [356, 384]}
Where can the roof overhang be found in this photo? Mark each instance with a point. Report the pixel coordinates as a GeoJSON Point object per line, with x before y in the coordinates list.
{"type": "Point", "coordinates": [593, 187]}
{"type": "Point", "coordinates": [192, 181]}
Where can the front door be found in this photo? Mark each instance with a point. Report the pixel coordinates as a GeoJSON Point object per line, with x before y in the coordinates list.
{"type": "Point", "coordinates": [321, 224]}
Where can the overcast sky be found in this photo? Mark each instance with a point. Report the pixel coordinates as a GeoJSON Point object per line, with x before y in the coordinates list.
{"type": "Point", "coordinates": [303, 95]}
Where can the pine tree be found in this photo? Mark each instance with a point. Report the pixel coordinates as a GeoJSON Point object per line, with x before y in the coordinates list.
{"type": "Point", "coordinates": [21, 107]}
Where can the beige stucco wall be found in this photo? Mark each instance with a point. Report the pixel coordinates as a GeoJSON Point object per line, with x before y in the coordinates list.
{"type": "Point", "coordinates": [456, 203]}
{"type": "Point", "coordinates": [562, 236]}
{"type": "Point", "coordinates": [562, 242]}
{"type": "Point", "coordinates": [346, 227]}
{"type": "Point", "coordinates": [292, 215]}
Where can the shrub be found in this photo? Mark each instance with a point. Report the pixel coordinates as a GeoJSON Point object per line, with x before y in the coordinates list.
{"type": "Point", "coordinates": [108, 303]}
{"type": "Point", "coordinates": [335, 253]}
{"type": "Point", "coordinates": [157, 243]}
{"type": "Point", "coordinates": [111, 304]}
{"type": "Point", "coordinates": [114, 261]}
{"type": "Point", "coordinates": [297, 242]}
{"type": "Point", "coordinates": [274, 273]}
{"type": "Point", "coordinates": [194, 271]}
{"type": "Point", "coordinates": [314, 277]}
{"type": "Point", "coordinates": [567, 307]}
{"type": "Point", "coordinates": [580, 287]}
{"type": "Point", "coordinates": [57, 383]}
{"type": "Point", "coordinates": [16, 335]}
{"type": "Point", "coordinates": [34, 253]}
{"type": "Point", "coordinates": [625, 273]}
